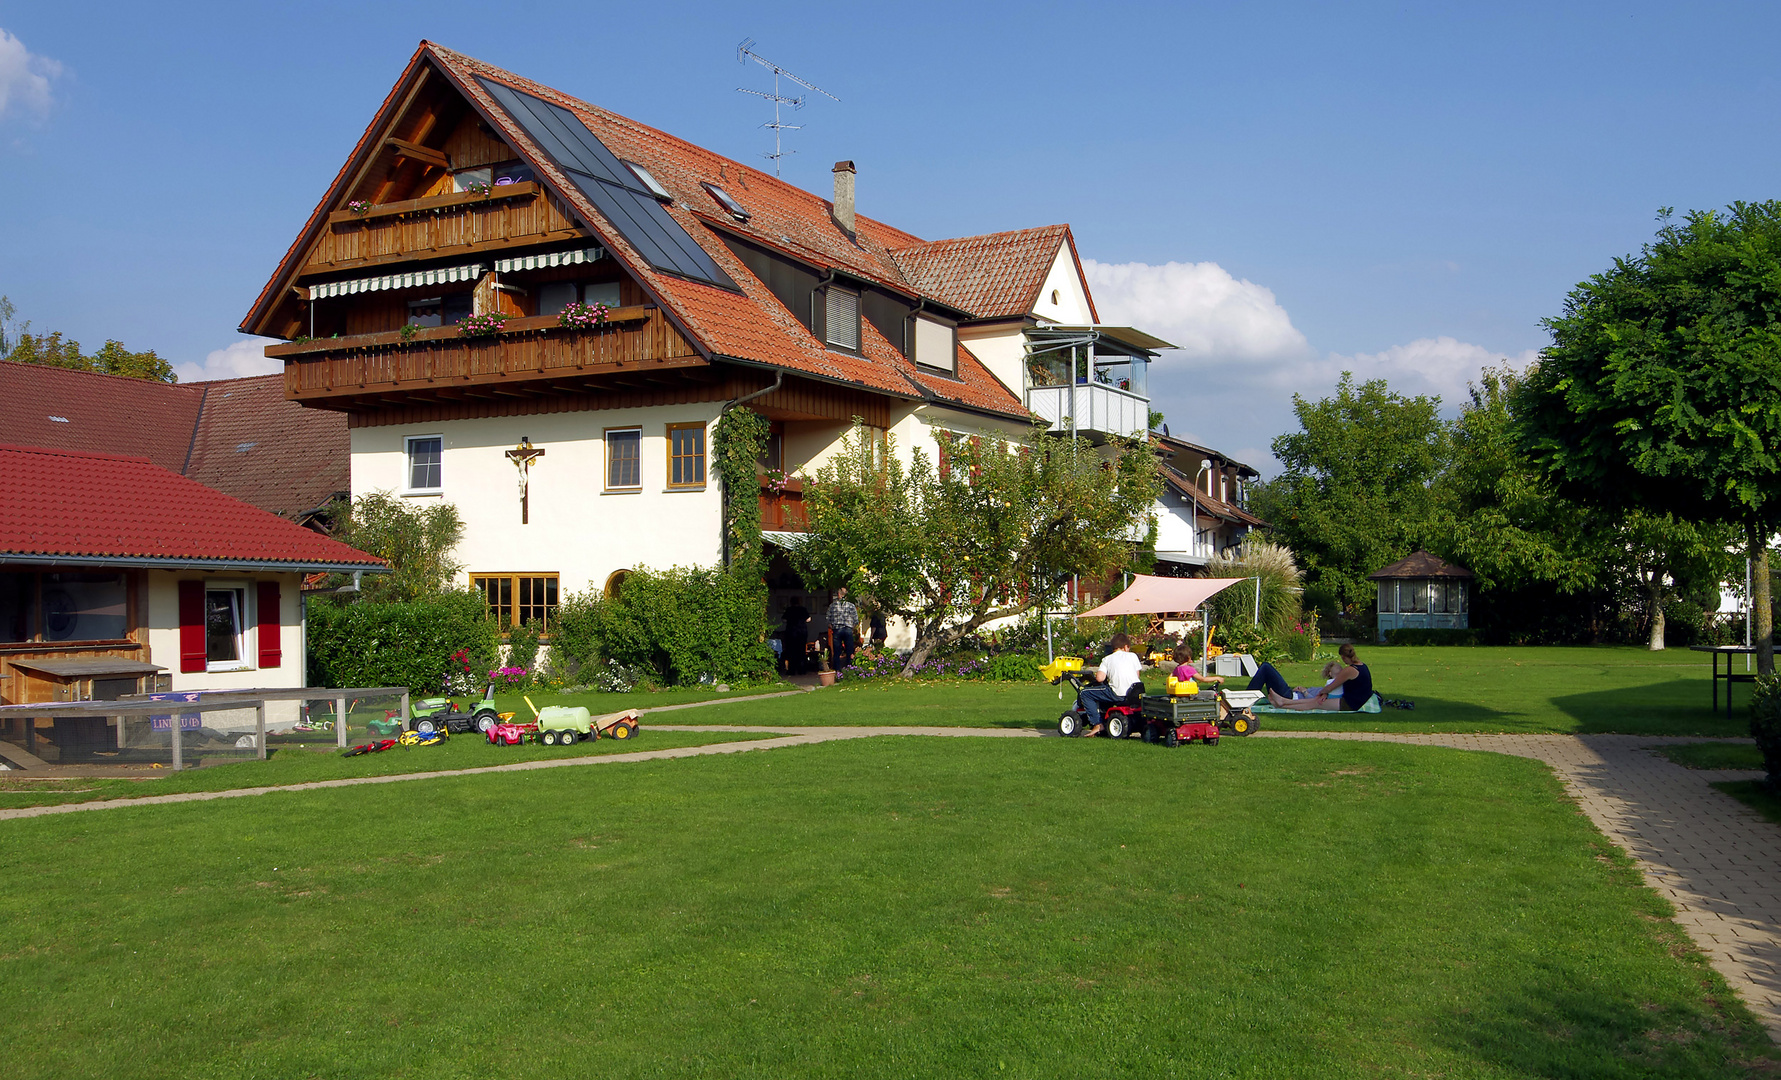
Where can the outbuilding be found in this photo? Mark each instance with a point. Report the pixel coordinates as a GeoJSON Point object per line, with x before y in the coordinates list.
{"type": "Point", "coordinates": [1425, 592]}
{"type": "Point", "coordinates": [118, 576]}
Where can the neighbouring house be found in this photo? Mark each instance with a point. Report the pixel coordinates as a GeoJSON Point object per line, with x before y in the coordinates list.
{"type": "Point", "coordinates": [1204, 508]}
{"type": "Point", "coordinates": [1425, 592]}
{"type": "Point", "coordinates": [239, 436]}
{"type": "Point", "coordinates": [575, 447]}
{"type": "Point", "coordinates": [119, 576]}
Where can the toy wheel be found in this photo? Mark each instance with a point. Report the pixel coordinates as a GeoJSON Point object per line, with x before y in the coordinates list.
{"type": "Point", "coordinates": [567, 738]}
{"type": "Point", "coordinates": [549, 738]}
{"type": "Point", "coordinates": [624, 731]}
{"type": "Point", "coordinates": [1241, 725]}
{"type": "Point", "coordinates": [425, 727]}
{"type": "Point", "coordinates": [486, 720]}
{"type": "Point", "coordinates": [1211, 740]}
{"type": "Point", "coordinates": [1118, 727]}
{"type": "Point", "coordinates": [1069, 725]}
{"type": "Point", "coordinates": [1173, 738]}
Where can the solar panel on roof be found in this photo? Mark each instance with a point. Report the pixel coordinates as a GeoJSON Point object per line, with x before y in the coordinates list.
{"type": "Point", "coordinates": [612, 188]}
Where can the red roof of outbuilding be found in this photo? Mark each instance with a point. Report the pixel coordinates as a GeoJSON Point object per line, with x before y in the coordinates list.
{"type": "Point", "coordinates": [81, 505]}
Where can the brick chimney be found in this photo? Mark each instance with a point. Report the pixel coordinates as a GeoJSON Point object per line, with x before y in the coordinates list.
{"type": "Point", "coordinates": [843, 211]}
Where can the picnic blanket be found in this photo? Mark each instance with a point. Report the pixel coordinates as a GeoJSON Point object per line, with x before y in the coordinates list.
{"type": "Point", "coordinates": [1371, 706]}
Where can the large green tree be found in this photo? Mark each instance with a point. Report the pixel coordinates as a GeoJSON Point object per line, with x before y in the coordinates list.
{"type": "Point", "coordinates": [994, 529]}
{"type": "Point", "coordinates": [21, 346]}
{"type": "Point", "coordinates": [1661, 390]}
{"type": "Point", "coordinates": [1357, 488]}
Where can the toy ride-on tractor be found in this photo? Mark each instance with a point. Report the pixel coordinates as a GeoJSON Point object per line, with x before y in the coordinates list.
{"type": "Point", "coordinates": [444, 714]}
{"type": "Point", "coordinates": [1117, 721]}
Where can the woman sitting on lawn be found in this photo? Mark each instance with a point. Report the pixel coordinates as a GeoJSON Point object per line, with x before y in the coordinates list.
{"type": "Point", "coordinates": [1354, 679]}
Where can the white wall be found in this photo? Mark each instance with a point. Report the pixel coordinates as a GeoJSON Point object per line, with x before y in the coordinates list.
{"type": "Point", "coordinates": [1072, 307]}
{"type": "Point", "coordinates": [161, 618]}
{"type": "Point", "coordinates": [577, 531]}
{"type": "Point", "coordinates": [1000, 347]}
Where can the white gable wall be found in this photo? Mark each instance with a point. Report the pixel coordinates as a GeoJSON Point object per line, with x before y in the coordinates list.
{"type": "Point", "coordinates": [577, 530]}
{"type": "Point", "coordinates": [1001, 346]}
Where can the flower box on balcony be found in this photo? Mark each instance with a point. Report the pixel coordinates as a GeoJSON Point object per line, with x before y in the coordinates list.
{"type": "Point", "coordinates": [511, 327]}
{"type": "Point", "coordinates": [436, 202]}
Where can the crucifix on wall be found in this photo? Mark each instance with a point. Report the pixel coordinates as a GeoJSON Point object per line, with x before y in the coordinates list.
{"type": "Point", "coordinates": [522, 457]}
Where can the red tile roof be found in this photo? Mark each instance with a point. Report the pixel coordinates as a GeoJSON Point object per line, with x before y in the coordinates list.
{"type": "Point", "coordinates": [239, 436]}
{"type": "Point", "coordinates": [1215, 506]}
{"type": "Point", "coordinates": [87, 505]}
{"type": "Point", "coordinates": [991, 276]}
{"type": "Point", "coordinates": [264, 450]}
{"type": "Point", "coordinates": [83, 410]}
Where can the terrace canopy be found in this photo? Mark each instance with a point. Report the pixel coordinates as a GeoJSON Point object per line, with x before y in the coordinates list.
{"type": "Point", "coordinates": [1150, 595]}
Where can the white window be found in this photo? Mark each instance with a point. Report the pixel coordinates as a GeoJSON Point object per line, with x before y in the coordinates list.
{"type": "Point", "coordinates": [425, 454]}
{"type": "Point", "coordinates": [842, 323]}
{"type": "Point", "coordinates": [225, 626]}
{"type": "Point", "coordinates": [624, 459]}
{"type": "Point", "coordinates": [935, 344]}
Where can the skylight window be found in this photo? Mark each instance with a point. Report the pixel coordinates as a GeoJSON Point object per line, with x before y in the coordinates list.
{"type": "Point", "coordinates": [724, 200]}
{"type": "Point", "coordinates": [647, 180]}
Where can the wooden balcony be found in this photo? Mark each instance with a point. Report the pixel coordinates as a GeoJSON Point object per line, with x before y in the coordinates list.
{"type": "Point", "coordinates": [783, 511]}
{"type": "Point", "coordinates": [514, 215]}
{"type": "Point", "coordinates": [530, 356]}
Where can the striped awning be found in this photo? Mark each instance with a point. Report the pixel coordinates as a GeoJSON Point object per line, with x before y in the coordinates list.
{"type": "Point", "coordinates": [412, 280]}
{"type": "Point", "coordinates": [555, 258]}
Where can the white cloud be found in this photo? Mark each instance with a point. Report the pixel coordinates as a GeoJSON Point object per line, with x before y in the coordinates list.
{"type": "Point", "coordinates": [1439, 365]}
{"type": "Point", "coordinates": [1230, 385]}
{"type": "Point", "coordinates": [243, 358]}
{"type": "Point", "coordinates": [1198, 306]}
{"type": "Point", "coordinates": [24, 77]}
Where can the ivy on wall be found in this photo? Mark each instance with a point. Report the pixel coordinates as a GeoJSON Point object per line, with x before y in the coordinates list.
{"type": "Point", "coordinates": [737, 444]}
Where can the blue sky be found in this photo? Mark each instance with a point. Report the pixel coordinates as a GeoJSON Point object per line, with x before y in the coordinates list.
{"type": "Point", "coordinates": [1400, 190]}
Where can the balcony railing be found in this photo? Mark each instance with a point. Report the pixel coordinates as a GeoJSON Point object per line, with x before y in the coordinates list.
{"type": "Point", "coordinates": [513, 215]}
{"type": "Point", "coordinates": [440, 359]}
{"type": "Point", "coordinates": [1098, 409]}
{"type": "Point", "coordinates": [783, 511]}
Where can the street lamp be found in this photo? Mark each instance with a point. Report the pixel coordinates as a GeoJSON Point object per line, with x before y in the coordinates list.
{"type": "Point", "coordinates": [1205, 464]}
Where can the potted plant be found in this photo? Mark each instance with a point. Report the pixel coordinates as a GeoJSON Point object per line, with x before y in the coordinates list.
{"type": "Point", "coordinates": [825, 672]}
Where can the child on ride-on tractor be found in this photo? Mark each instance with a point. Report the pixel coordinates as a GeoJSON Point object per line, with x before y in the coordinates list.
{"type": "Point", "coordinates": [1114, 680]}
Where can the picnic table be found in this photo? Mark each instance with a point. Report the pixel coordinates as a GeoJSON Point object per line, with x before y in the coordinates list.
{"type": "Point", "coordinates": [1729, 677]}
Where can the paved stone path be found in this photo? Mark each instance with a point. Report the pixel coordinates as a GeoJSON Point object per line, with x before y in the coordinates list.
{"type": "Point", "coordinates": [1716, 860]}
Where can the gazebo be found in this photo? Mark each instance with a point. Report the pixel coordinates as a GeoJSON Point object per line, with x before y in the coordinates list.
{"type": "Point", "coordinates": [1424, 592]}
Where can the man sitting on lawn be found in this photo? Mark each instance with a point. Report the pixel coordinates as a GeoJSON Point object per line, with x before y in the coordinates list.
{"type": "Point", "coordinates": [1114, 679]}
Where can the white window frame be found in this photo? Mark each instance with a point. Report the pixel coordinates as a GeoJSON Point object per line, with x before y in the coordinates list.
{"type": "Point", "coordinates": [245, 646]}
{"type": "Point", "coordinates": [606, 459]}
{"type": "Point", "coordinates": [408, 487]}
{"type": "Point", "coordinates": [830, 293]}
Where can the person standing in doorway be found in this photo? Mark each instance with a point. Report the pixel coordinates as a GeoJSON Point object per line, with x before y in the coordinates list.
{"type": "Point", "coordinates": [844, 619]}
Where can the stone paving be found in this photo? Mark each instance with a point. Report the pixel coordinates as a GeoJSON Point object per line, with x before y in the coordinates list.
{"type": "Point", "coordinates": [1716, 860]}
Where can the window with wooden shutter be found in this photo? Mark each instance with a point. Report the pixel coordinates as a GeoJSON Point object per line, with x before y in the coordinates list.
{"type": "Point", "coordinates": [271, 629]}
{"type": "Point", "coordinates": [191, 626]}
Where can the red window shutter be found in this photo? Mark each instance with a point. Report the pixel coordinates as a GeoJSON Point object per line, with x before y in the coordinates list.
{"type": "Point", "coordinates": [191, 626]}
{"type": "Point", "coordinates": [271, 650]}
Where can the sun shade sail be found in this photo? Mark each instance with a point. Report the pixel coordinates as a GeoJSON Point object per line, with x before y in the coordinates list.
{"type": "Point", "coordinates": [1148, 595]}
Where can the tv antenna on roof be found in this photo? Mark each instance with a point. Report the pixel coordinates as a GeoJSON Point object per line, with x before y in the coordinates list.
{"type": "Point", "coordinates": [744, 53]}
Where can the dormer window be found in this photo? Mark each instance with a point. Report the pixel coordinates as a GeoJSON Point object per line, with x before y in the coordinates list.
{"type": "Point", "coordinates": [841, 323]}
{"type": "Point", "coordinates": [649, 181]}
{"type": "Point", "coordinates": [729, 204]}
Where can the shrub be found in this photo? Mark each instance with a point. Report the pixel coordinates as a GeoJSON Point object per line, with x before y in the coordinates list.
{"type": "Point", "coordinates": [1423, 635]}
{"type": "Point", "coordinates": [574, 635]}
{"type": "Point", "coordinates": [1013, 667]}
{"type": "Point", "coordinates": [401, 644]}
{"type": "Point", "coordinates": [522, 650]}
{"type": "Point", "coordinates": [1765, 725]}
{"type": "Point", "coordinates": [686, 622]}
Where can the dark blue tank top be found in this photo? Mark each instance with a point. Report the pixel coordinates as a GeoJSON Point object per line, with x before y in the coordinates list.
{"type": "Point", "coordinates": [1358, 690]}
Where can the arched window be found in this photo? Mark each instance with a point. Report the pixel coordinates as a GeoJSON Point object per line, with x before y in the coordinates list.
{"type": "Point", "coordinates": [615, 582]}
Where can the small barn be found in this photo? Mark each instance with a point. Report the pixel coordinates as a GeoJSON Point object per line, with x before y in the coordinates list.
{"type": "Point", "coordinates": [1423, 592]}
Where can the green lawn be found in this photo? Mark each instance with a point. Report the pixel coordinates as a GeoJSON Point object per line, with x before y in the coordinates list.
{"type": "Point", "coordinates": [1714, 755]}
{"type": "Point", "coordinates": [1756, 795]}
{"type": "Point", "coordinates": [886, 907]}
{"type": "Point", "coordinates": [299, 765]}
{"type": "Point", "coordinates": [1573, 690]}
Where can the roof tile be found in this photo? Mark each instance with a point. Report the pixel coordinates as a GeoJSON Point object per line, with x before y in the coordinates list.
{"type": "Point", "coordinates": [82, 504]}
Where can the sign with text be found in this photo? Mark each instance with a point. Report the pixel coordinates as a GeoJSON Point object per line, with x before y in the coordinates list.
{"type": "Point", "coordinates": [187, 721]}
